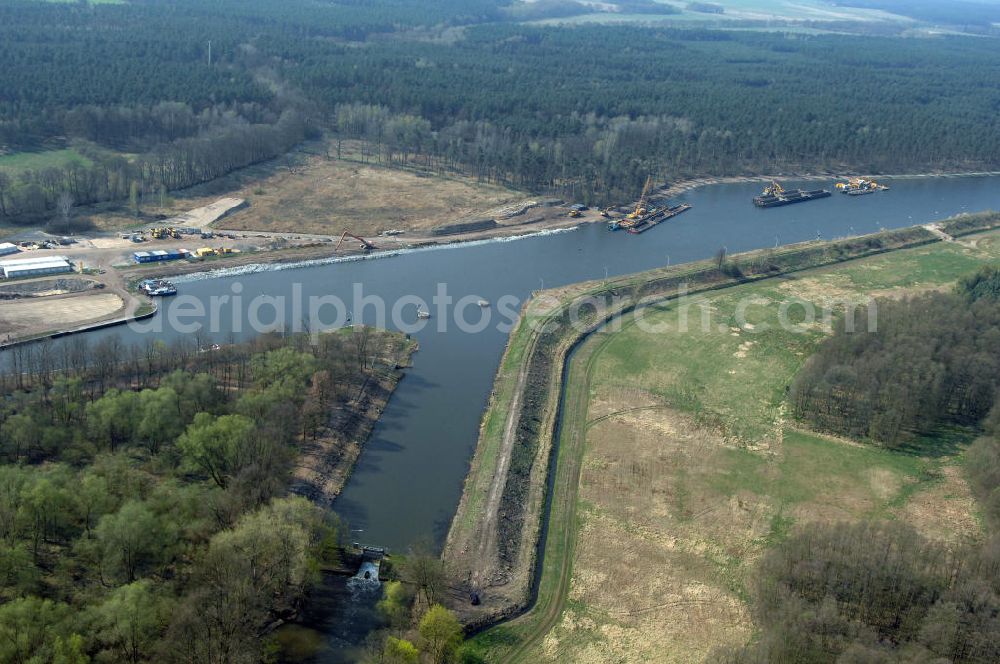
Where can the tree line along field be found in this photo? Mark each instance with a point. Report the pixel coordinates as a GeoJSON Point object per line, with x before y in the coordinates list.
{"type": "Point", "coordinates": [587, 112]}
{"type": "Point", "coordinates": [696, 474]}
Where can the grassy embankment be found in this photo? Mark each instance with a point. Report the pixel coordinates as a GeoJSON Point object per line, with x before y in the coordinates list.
{"type": "Point", "coordinates": [691, 470]}
{"type": "Point", "coordinates": [18, 162]}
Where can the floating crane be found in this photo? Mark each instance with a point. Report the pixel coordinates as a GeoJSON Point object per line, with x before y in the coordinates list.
{"type": "Point", "coordinates": [636, 216]}
{"type": "Point", "coordinates": [640, 207]}
{"type": "Point", "coordinates": [366, 246]}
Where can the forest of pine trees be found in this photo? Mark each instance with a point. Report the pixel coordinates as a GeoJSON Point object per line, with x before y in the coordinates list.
{"type": "Point", "coordinates": [586, 112]}
{"type": "Point", "coordinates": [931, 361]}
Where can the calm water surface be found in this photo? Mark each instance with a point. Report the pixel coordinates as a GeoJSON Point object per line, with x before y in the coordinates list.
{"type": "Point", "coordinates": [409, 478]}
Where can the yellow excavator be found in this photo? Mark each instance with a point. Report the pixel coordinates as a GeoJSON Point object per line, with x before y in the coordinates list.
{"type": "Point", "coordinates": [640, 207]}
{"type": "Point", "coordinates": [773, 189]}
{"type": "Point", "coordinates": [633, 217]}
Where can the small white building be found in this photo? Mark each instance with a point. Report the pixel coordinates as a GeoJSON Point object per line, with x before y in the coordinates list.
{"type": "Point", "coordinates": [6, 248]}
{"type": "Point", "coordinates": [34, 267]}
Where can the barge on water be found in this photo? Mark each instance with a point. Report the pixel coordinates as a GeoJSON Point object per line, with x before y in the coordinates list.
{"type": "Point", "coordinates": [658, 218]}
{"type": "Point", "coordinates": [860, 187]}
{"type": "Point", "coordinates": [774, 195]}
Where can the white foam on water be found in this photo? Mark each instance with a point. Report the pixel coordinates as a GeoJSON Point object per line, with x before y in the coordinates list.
{"type": "Point", "coordinates": [332, 260]}
{"type": "Point", "coordinates": [359, 584]}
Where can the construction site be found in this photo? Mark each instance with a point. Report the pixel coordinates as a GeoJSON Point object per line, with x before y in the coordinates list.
{"type": "Point", "coordinates": [315, 206]}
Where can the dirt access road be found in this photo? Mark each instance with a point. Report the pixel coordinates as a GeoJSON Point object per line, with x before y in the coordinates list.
{"type": "Point", "coordinates": [562, 527]}
{"type": "Point", "coordinates": [487, 552]}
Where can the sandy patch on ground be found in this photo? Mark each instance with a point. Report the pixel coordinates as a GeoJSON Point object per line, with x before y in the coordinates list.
{"type": "Point", "coordinates": [610, 399]}
{"type": "Point", "coordinates": [946, 511]}
{"type": "Point", "coordinates": [328, 196]}
{"type": "Point", "coordinates": [60, 313]}
{"type": "Point", "coordinates": [828, 290]}
{"type": "Point", "coordinates": [203, 216]}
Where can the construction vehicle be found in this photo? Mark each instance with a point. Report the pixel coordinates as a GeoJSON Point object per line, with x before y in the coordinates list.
{"type": "Point", "coordinates": [773, 189]}
{"type": "Point", "coordinates": [365, 245]}
{"type": "Point", "coordinates": [205, 251]}
{"type": "Point", "coordinates": [575, 214]}
{"type": "Point", "coordinates": [658, 217]}
{"type": "Point", "coordinates": [860, 187]}
{"type": "Point", "coordinates": [640, 207]}
{"type": "Point", "coordinates": [164, 232]}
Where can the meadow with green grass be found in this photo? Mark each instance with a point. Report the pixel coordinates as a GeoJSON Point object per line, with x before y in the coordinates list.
{"type": "Point", "coordinates": [679, 466]}
{"type": "Point", "coordinates": [19, 162]}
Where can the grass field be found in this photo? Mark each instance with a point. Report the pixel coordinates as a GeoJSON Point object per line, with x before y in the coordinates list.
{"type": "Point", "coordinates": [788, 12]}
{"type": "Point", "coordinates": [689, 469]}
{"type": "Point", "coordinates": [35, 161]}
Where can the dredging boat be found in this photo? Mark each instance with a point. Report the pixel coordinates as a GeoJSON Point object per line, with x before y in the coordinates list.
{"type": "Point", "coordinates": [658, 217]}
{"type": "Point", "coordinates": [860, 187]}
{"type": "Point", "coordinates": [641, 219]}
{"type": "Point", "coordinates": [774, 195]}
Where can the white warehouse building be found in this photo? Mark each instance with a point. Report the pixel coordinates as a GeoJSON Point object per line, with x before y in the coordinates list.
{"type": "Point", "coordinates": [8, 248]}
{"type": "Point", "coordinates": [34, 267]}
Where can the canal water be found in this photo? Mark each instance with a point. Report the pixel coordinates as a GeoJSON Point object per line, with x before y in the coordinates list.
{"type": "Point", "coordinates": [408, 480]}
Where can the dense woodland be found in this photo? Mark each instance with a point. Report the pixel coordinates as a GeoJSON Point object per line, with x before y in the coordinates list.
{"type": "Point", "coordinates": [932, 360]}
{"type": "Point", "coordinates": [587, 112]}
{"type": "Point", "coordinates": [874, 593]}
{"type": "Point", "coordinates": [144, 513]}
{"type": "Point", "coordinates": [880, 592]}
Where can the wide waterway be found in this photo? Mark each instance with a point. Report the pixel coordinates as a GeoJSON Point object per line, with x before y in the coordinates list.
{"type": "Point", "coordinates": [408, 480]}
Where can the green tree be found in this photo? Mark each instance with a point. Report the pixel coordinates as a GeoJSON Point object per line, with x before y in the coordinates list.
{"type": "Point", "coordinates": [262, 563]}
{"type": "Point", "coordinates": [441, 633]}
{"type": "Point", "coordinates": [113, 418]}
{"type": "Point", "coordinates": [130, 540]}
{"type": "Point", "coordinates": [46, 505]}
{"type": "Point", "coordinates": [69, 650]}
{"type": "Point", "coordinates": [395, 605]}
{"type": "Point", "coordinates": [130, 621]}
{"type": "Point", "coordinates": [399, 651]}
{"type": "Point", "coordinates": [197, 393]}
{"type": "Point", "coordinates": [133, 198]}
{"type": "Point", "coordinates": [66, 398]}
{"type": "Point", "coordinates": [18, 574]}
{"type": "Point", "coordinates": [18, 436]}
{"type": "Point", "coordinates": [283, 366]}
{"type": "Point", "coordinates": [215, 445]}
{"type": "Point", "coordinates": [93, 498]}
{"type": "Point", "coordinates": [12, 481]}
{"type": "Point", "coordinates": [982, 284]}
{"type": "Point", "coordinates": [28, 628]}
{"type": "Point", "coordinates": [159, 419]}
{"type": "Point", "coordinates": [426, 572]}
